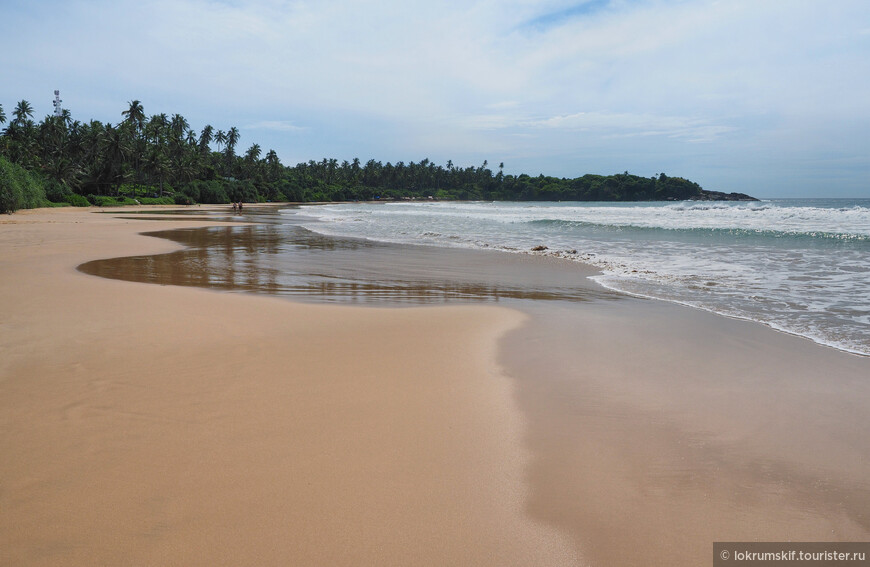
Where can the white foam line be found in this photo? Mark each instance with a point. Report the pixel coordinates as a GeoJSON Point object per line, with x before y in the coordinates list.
{"type": "Point", "coordinates": [598, 279]}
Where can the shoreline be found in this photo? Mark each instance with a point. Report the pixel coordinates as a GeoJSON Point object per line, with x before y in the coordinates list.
{"type": "Point", "coordinates": [711, 311]}
{"type": "Point", "coordinates": [632, 431]}
{"type": "Point", "coordinates": [160, 424]}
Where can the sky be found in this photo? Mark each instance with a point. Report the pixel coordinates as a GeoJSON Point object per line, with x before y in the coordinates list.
{"type": "Point", "coordinates": [766, 97]}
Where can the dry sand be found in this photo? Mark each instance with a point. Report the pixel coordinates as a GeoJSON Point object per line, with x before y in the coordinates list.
{"type": "Point", "coordinates": [144, 424]}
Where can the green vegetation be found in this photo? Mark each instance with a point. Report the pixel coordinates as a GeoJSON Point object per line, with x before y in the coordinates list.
{"type": "Point", "coordinates": [18, 188]}
{"type": "Point", "coordinates": [160, 159]}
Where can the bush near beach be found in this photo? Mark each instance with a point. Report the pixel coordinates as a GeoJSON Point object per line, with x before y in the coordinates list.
{"type": "Point", "coordinates": [18, 188]}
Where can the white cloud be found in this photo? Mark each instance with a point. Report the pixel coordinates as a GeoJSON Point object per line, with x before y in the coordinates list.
{"type": "Point", "coordinates": [630, 125]}
{"type": "Point", "coordinates": [278, 125]}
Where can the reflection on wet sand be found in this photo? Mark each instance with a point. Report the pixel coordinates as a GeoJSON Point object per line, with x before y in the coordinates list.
{"type": "Point", "coordinates": [281, 259]}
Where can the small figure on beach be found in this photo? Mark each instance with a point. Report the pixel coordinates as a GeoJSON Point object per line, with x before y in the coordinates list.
{"type": "Point", "coordinates": [240, 206]}
{"type": "Point", "coordinates": [235, 206]}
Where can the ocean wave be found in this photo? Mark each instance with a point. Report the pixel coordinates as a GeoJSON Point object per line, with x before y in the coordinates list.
{"type": "Point", "coordinates": [763, 218]}
{"type": "Point", "coordinates": [803, 269]}
{"type": "Point", "coordinates": [729, 231]}
{"type": "Point", "coordinates": [815, 333]}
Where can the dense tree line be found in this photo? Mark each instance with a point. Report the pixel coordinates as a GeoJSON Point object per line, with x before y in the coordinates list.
{"type": "Point", "coordinates": [161, 159]}
{"type": "Point", "coordinates": [329, 180]}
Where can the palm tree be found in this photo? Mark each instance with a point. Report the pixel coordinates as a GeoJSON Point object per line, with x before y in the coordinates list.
{"type": "Point", "coordinates": [232, 139]}
{"type": "Point", "coordinates": [52, 138]}
{"type": "Point", "coordinates": [2, 115]}
{"type": "Point", "coordinates": [63, 170]}
{"type": "Point", "coordinates": [220, 139]}
{"type": "Point", "coordinates": [20, 137]}
{"type": "Point", "coordinates": [331, 166]}
{"type": "Point", "coordinates": [274, 165]}
{"type": "Point", "coordinates": [230, 152]}
{"type": "Point", "coordinates": [135, 119]}
{"type": "Point", "coordinates": [206, 137]}
{"type": "Point", "coordinates": [253, 153]}
{"type": "Point", "coordinates": [186, 169]}
{"type": "Point", "coordinates": [177, 130]}
{"type": "Point", "coordinates": [135, 114]}
{"type": "Point", "coordinates": [23, 111]}
{"type": "Point", "coordinates": [179, 126]}
{"type": "Point", "coordinates": [90, 141]}
{"type": "Point", "coordinates": [251, 157]}
{"type": "Point", "coordinates": [115, 150]}
{"type": "Point", "coordinates": [159, 165]}
{"type": "Point", "coordinates": [156, 129]}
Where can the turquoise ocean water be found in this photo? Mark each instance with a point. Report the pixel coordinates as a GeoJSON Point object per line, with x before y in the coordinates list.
{"type": "Point", "coordinates": [799, 266]}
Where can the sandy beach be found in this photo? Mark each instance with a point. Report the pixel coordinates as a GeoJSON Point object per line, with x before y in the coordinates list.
{"type": "Point", "coordinates": [658, 429]}
{"type": "Point", "coordinates": [158, 424]}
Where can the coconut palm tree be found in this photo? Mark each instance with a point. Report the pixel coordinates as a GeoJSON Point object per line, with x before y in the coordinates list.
{"type": "Point", "coordinates": [331, 166]}
{"type": "Point", "coordinates": [232, 140]}
{"type": "Point", "coordinates": [90, 141]}
{"type": "Point", "coordinates": [179, 126]}
{"type": "Point", "coordinates": [63, 170]}
{"type": "Point", "coordinates": [157, 129]}
{"type": "Point", "coordinates": [51, 137]}
{"type": "Point", "coordinates": [177, 129]}
{"type": "Point", "coordinates": [135, 121]}
{"type": "Point", "coordinates": [187, 169]}
{"type": "Point", "coordinates": [355, 169]}
{"type": "Point", "coordinates": [20, 137]}
{"type": "Point", "coordinates": [205, 137]}
{"type": "Point", "coordinates": [116, 149]}
{"type": "Point", "coordinates": [253, 153]}
{"type": "Point", "coordinates": [159, 165]}
{"type": "Point", "coordinates": [230, 151]}
{"type": "Point", "coordinates": [274, 165]}
{"type": "Point", "coordinates": [220, 139]}
{"type": "Point", "coordinates": [251, 160]}
{"type": "Point", "coordinates": [135, 114]}
{"type": "Point", "coordinates": [23, 111]}
{"type": "Point", "coordinates": [2, 115]}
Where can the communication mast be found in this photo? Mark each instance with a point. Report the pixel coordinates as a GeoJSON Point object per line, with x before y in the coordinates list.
{"type": "Point", "coordinates": [57, 109]}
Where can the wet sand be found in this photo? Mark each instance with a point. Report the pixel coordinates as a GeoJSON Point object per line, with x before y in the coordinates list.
{"type": "Point", "coordinates": [145, 424]}
{"type": "Point", "coordinates": [631, 432]}
{"type": "Point", "coordinates": [276, 258]}
{"type": "Point", "coordinates": [658, 429]}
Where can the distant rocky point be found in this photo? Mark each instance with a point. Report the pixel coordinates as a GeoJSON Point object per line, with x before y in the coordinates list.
{"type": "Point", "coordinates": [720, 196]}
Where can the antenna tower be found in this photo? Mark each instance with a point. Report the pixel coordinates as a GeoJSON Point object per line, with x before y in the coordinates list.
{"type": "Point", "coordinates": [57, 108]}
